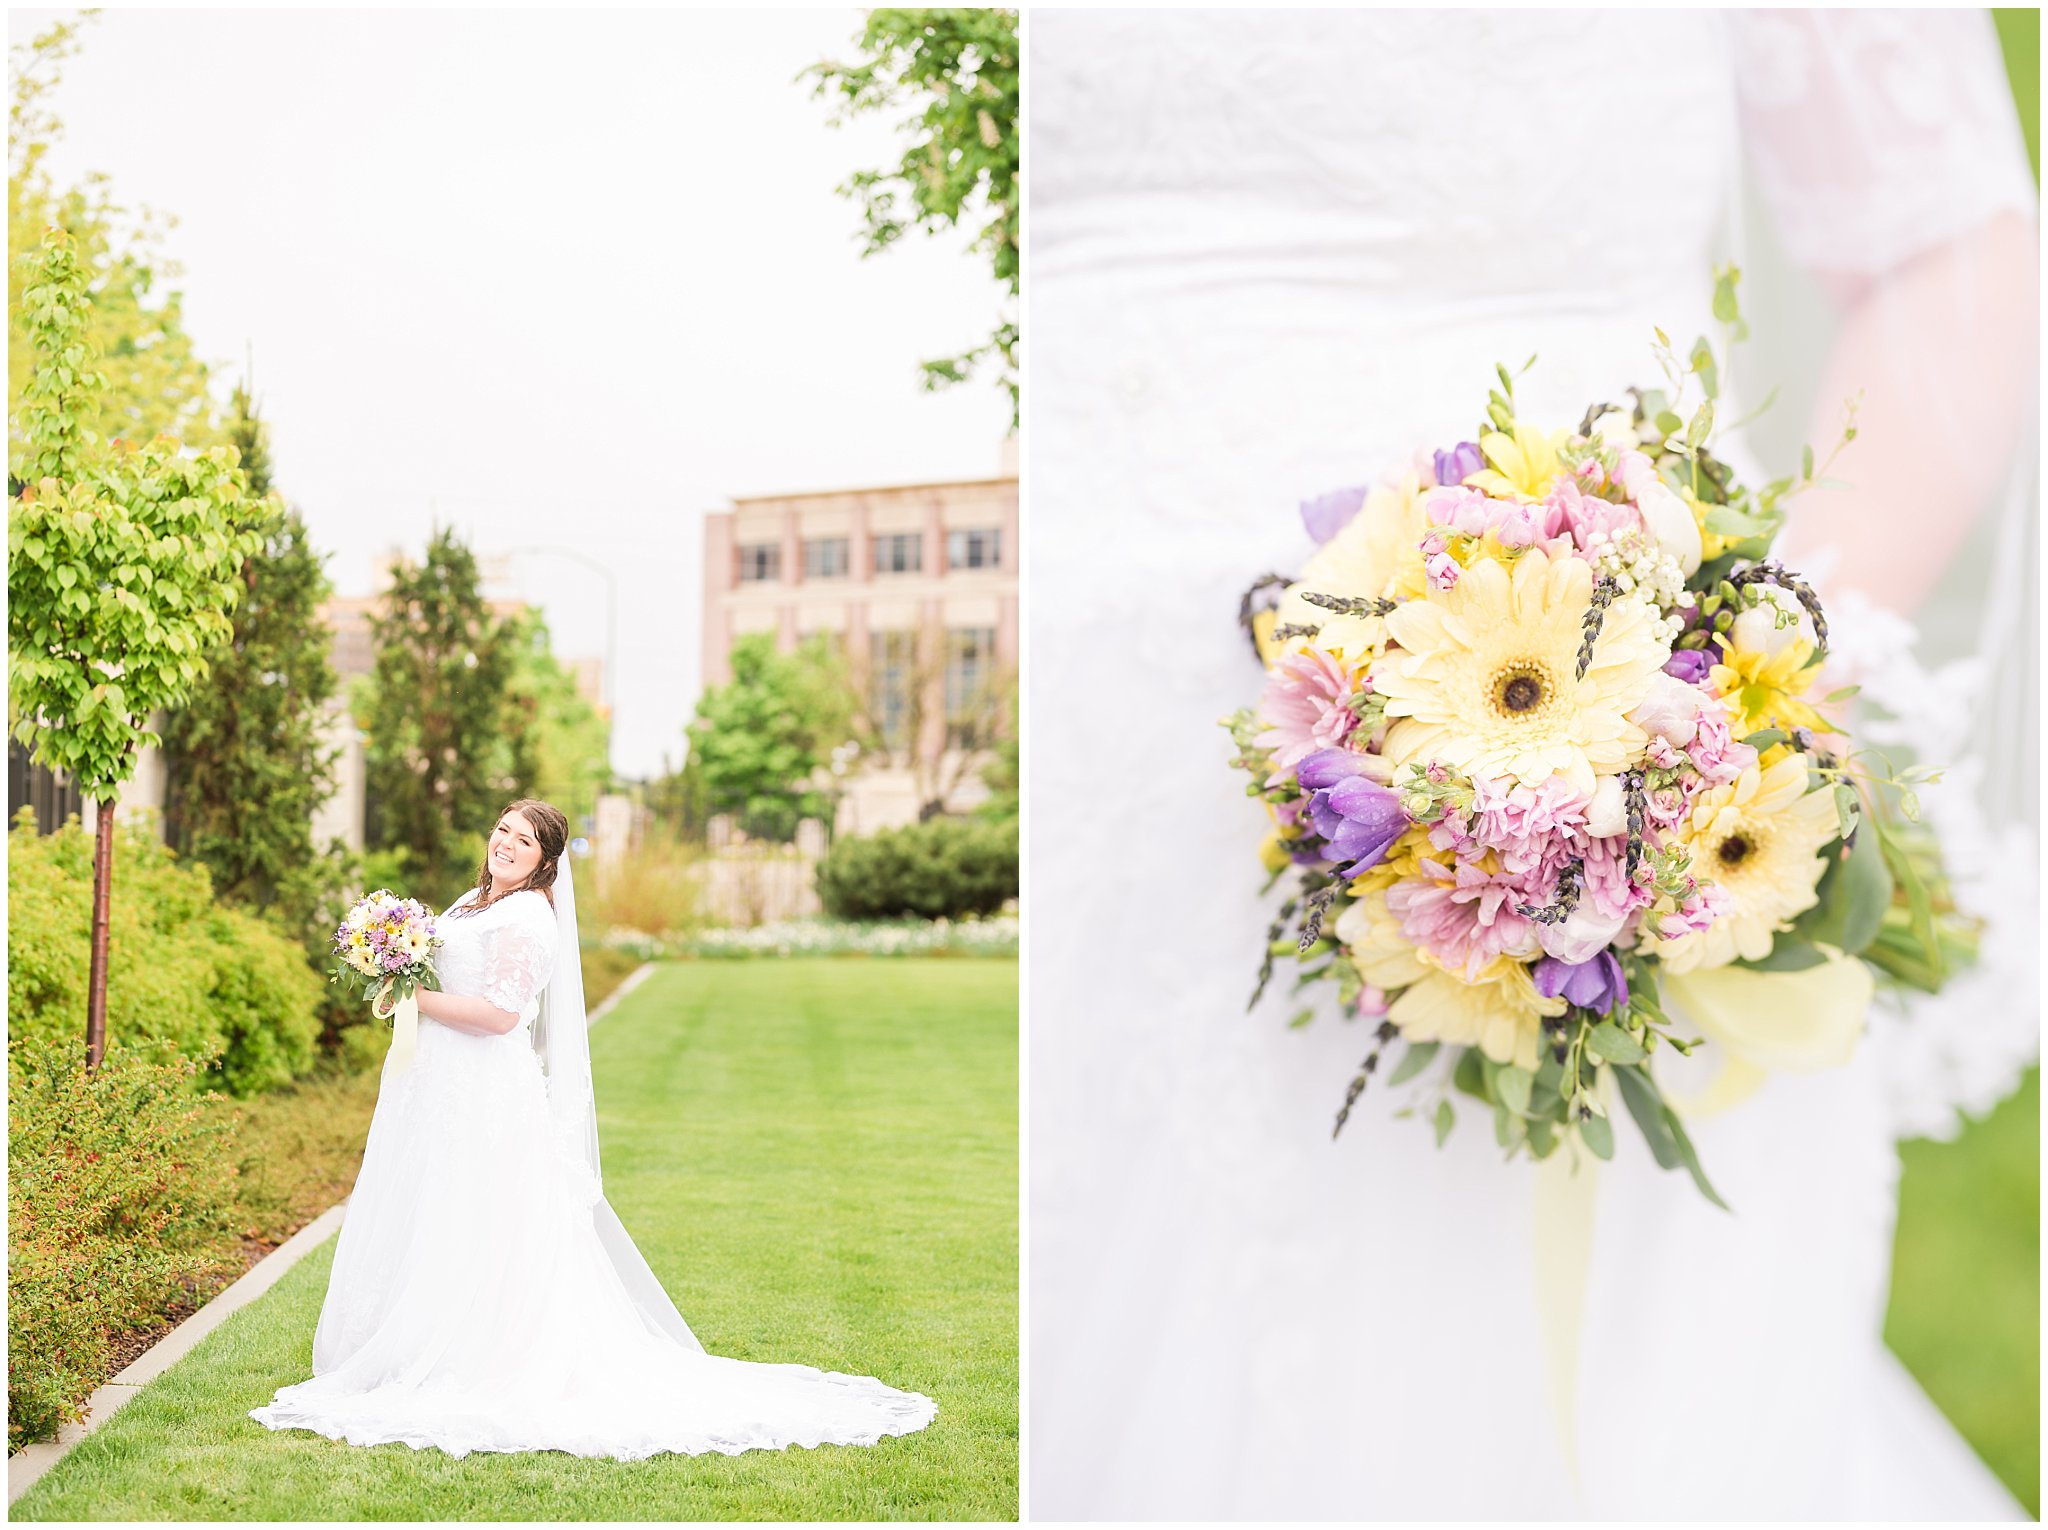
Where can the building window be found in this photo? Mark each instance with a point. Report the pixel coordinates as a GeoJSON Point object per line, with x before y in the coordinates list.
{"type": "Point", "coordinates": [760, 562]}
{"type": "Point", "coordinates": [825, 558]}
{"type": "Point", "coordinates": [974, 549]}
{"type": "Point", "coordinates": [900, 552]}
{"type": "Point", "coordinates": [970, 674]}
{"type": "Point", "coordinates": [892, 661]}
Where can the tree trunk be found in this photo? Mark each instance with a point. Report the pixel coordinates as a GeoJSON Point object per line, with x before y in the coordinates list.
{"type": "Point", "coordinates": [96, 984]}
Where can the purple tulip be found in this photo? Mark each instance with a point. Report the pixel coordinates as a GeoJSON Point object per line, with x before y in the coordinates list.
{"type": "Point", "coordinates": [1328, 514]}
{"type": "Point", "coordinates": [1690, 665]}
{"type": "Point", "coordinates": [1357, 819]}
{"type": "Point", "coordinates": [1597, 984]}
{"type": "Point", "coordinates": [1459, 463]}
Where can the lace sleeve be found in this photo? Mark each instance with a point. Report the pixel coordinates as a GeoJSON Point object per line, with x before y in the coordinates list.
{"type": "Point", "coordinates": [519, 953]}
{"type": "Point", "coordinates": [1875, 135]}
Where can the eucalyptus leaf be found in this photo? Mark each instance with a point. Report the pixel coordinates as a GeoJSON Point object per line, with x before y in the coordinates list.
{"type": "Point", "coordinates": [1446, 1118]}
{"type": "Point", "coordinates": [1764, 738]}
{"type": "Point", "coordinates": [1788, 954]}
{"type": "Point", "coordinates": [1610, 1041]}
{"type": "Point", "coordinates": [1513, 1086]}
{"type": "Point", "coordinates": [1597, 1132]}
{"type": "Point", "coordinates": [1413, 1061]}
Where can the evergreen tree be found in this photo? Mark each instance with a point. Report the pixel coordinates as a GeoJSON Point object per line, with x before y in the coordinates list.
{"type": "Point", "coordinates": [441, 756]}
{"type": "Point", "coordinates": [247, 766]}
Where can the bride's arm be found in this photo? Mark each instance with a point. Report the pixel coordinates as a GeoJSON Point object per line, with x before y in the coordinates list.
{"type": "Point", "coordinates": [1942, 350]}
{"type": "Point", "coordinates": [465, 1012]}
{"type": "Point", "coordinates": [1887, 147]}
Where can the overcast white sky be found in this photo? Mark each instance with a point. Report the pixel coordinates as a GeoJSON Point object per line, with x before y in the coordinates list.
{"type": "Point", "coordinates": [546, 276]}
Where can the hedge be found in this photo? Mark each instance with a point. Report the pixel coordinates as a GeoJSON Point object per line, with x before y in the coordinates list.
{"type": "Point", "coordinates": [182, 968]}
{"type": "Point", "coordinates": [946, 868]}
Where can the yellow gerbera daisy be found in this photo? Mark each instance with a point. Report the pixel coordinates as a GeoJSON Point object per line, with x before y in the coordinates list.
{"type": "Point", "coordinates": [1501, 1013]}
{"type": "Point", "coordinates": [1763, 691]}
{"type": "Point", "coordinates": [1524, 466]}
{"type": "Point", "coordinates": [1759, 839]}
{"type": "Point", "coordinates": [1485, 678]}
{"type": "Point", "coordinates": [1376, 554]}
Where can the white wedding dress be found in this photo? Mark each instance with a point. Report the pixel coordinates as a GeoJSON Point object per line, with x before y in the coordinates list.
{"type": "Point", "coordinates": [473, 1304]}
{"type": "Point", "coordinates": [1272, 254]}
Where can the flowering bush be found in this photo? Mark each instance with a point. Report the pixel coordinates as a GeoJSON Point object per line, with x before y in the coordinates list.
{"type": "Point", "coordinates": [996, 936]}
{"type": "Point", "coordinates": [119, 1209]}
{"type": "Point", "coordinates": [1545, 742]}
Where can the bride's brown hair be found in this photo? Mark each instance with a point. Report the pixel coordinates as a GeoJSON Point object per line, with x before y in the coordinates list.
{"type": "Point", "coordinates": [551, 828]}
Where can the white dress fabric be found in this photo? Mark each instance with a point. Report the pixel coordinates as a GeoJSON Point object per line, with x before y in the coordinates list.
{"type": "Point", "coordinates": [472, 1305]}
{"type": "Point", "coordinates": [1273, 254]}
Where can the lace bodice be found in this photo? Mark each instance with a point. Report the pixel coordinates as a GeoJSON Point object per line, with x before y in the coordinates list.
{"type": "Point", "coordinates": [504, 953]}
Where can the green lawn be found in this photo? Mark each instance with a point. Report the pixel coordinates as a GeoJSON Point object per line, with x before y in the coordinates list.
{"type": "Point", "coordinates": [1966, 1284]}
{"type": "Point", "coordinates": [819, 1158]}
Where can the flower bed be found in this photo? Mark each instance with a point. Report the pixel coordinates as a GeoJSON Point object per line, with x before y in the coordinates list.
{"type": "Point", "coordinates": [996, 936]}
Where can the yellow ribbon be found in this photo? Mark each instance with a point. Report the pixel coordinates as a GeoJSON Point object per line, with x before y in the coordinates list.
{"type": "Point", "coordinates": [1761, 1022]}
{"type": "Point", "coordinates": [405, 1029]}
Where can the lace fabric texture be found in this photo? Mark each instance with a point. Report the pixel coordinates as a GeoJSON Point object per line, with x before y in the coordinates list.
{"type": "Point", "coordinates": [1273, 254]}
{"type": "Point", "coordinates": [473, 1304]}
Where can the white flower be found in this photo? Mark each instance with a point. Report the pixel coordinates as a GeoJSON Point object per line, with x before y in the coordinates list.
{"type": "Point", "coordinates": [1671, 711]}
{"type": "Point", "coordinates": [1607, 813]}
{"type": "Point", "coordinates": [1616, 428]}
{"type": "Point", "coordinates": [1584, 933]}
{"type": "Point", "coordinates": [1669, 519]}
{"type": "Point", "coordinates": [1773, 624]}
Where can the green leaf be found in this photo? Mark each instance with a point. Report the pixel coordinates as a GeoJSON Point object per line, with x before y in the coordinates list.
{"type": "Point", "coordinates": [1703, 364]}
{"type": "Point", "coordinates": [1597, 1132]}
{"type": "Point", "coordinates": [1300, 1018]}
{"type": "Point", "coordinates": [1788, 954]}
{"type": "Point", "coordinates": [1610, 1041]}
{"type": "Point", "coordinates": [1469, 1077]}
{"type": "Point", "coordinates": [1764, 738]}
{"type": "Point", "coordinates": [1806, 463]}
{"type": "Point", "coordinates": [1513, 1085]}
{"type": "Point", "coordinates": [1413, 1061]}
{"type": "Point", "coordinates": [1669, 424]}
{"type": "Point", "coordinates": [1662, 1129]}
{"type": "Point", "coordinates": [1854, 896]}
{"type": "Point", "coordinates": [1917, 898]}
{"type": "Point", "coordinates": [1446, 1118]}
{"type": "Point", "coordinates": [1647, 1108]}
{"type": "Point", "coordinates": [1542, 1139]}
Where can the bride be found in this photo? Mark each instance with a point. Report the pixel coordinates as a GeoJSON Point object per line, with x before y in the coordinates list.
{"type": "Point", "coordinates": [483, 1295]}
{"type": "Point", "coordinates": [1272, 254]}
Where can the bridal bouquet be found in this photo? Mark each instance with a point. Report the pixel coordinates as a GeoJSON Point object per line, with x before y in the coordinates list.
{"type": "Point", "coordinates": [1546, 745]}
{"type": "Point", "coordinates": [386, 946]}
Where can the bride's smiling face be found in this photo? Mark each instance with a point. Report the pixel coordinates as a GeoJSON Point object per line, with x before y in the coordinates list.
{"type": "Point", "coordinates": [514, 852]}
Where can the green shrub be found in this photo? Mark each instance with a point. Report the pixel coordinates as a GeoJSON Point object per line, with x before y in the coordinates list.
{"type": "Point", "coordinates": [181, 967]}
{"type": "Point", "coordinates": [120, 1189]}
{"type": "Point", "coordinates": [946, 868]}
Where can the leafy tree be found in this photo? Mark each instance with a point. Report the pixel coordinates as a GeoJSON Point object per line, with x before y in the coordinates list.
{"type": "Point", "coordinates": [563, 743]}
{"type": "Point", "coordinates": [1003, 774]}
{"type": "Point", "coordinates": [758, 742]}
{"type": "Point", "coordinates": [247, 765]}
{"type": "Point", "coordinates": [122, 567]}
{"type": "Point", "coordinates": [439, 757]}
{"type": "Point", "coordinates": [954, 74]}
{"type": "Point", "coordinates": [154, 382]}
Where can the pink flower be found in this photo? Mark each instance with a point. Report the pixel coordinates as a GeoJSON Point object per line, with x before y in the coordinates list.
{"type": "Point", "coordinates": [1442, 569]}
{"type": "Point", "coordinates": [1713, 751]}
{"type": "Point", "coordinates": [1464, 917]}
{"type": "Point", "coordinates": [1695, 913]}
{"type": "Point", "coordinates": [1605, 883]}
{"type": "Point", "coordinates": [1581, 515]}
{"type": "Point", "coordinates": [1529, 826]}
{"type": "Point", "coordinates": [1306, 706]}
